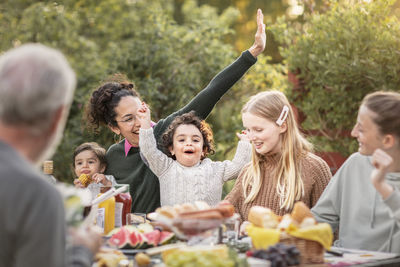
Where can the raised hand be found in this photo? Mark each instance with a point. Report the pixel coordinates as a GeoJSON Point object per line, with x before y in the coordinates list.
{"type": "Point", "coordinates": [382, 162]}
{"type": "Point", "coordinates": [260, 38]}
{"type": "Point", "coordinates": [243, 136]}
{"type": "Point", "coordinates": [144, 117]}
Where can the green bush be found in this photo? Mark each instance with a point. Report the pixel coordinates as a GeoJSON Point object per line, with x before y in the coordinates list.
{"type": "Point", "coordinates": [338, 57]}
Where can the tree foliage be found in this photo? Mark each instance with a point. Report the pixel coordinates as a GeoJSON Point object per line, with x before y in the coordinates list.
{"type": "Point", "coordinates": [339, 57]}
{"type": "Point", "coordinates": [168, 62]}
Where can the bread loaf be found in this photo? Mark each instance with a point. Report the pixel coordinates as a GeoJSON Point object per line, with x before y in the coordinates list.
{"type": "Point", "coordinates": [263, 217]}
{"type": "Point", "coordinates": [300, 211]}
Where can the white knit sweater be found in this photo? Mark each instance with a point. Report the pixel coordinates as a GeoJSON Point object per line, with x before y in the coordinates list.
{"type": "Point", "coordinates": [180, 184]}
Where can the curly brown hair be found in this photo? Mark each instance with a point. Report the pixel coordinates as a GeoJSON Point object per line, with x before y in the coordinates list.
{"type": "Point", "coordinates": [187, 119]}
{"type": "Point", "coordinates": [100, 109]}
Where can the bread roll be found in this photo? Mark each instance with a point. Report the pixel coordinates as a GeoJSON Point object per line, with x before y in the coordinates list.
{"type": "Point", "coordinates": [262, 217]}
{"type": "Point", "coordinates": [300, 211]}
{"type": "Point", "coordinates": [167, 211]}
{"type": "Point", "coordinates": [202, 214]}
{"type": "Point", "coordinates": [201, 205]}
{"type": "Point", "coordinates": [226, 209]}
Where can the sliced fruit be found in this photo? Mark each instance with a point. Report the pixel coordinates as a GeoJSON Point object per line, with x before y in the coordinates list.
{"type": "Point", "coordinates": [153, 238]}
{"type": "Point", "coordinates": [120, 239]}
{"type": "Point", "coordinates": [145, 228]}
{"type": "Point", "coordinates": [166, 237]}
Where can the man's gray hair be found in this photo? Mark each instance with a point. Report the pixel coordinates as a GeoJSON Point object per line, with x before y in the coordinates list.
{"type": "Point", "coordinates": [35, 81]}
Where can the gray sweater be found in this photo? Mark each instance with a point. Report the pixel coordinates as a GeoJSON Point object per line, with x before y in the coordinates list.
{"type": "Point", "coordinates": [32, 225]}
{"type": "Point", "coordinates": [351, 203]}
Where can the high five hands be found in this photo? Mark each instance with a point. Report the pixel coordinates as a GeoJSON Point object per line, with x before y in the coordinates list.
{"type": "Point", "coordinates": [260, 38]}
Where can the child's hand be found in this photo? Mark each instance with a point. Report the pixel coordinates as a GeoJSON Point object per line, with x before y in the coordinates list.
{"type": "Point", "coordinates": [243, 136]}
{"type": "Point", "coordinates": [78, 183]}
{"type": "Point", "coordinates": [381, 161]}
{"type": "Point", "coordinates": [101, 178]}
{"type": "Point", "coordinates": [144, 116]}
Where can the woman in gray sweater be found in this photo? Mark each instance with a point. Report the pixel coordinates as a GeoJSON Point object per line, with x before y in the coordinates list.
{"type": "Point", "coordinates": [363, 198]}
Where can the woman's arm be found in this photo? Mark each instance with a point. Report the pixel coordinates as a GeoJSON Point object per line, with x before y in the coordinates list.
{"type": "Point", "coordinates": [204, 102]}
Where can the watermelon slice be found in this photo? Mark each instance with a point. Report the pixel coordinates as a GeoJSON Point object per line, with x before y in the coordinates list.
{"type": "Point", "coordinates": [137, 240]}
{"type": "Point", "coordinates": [153, 238]}
{"type": "Point", "coordinates": [165, 237]}
{"type": "Point", "coordinates": [120, 239]}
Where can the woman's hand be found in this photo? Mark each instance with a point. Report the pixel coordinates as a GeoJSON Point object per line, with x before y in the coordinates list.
{"type": "Point", "coordinates": [381, 161]}
{"type": "Point", "coordinates": [144, 117]}
{"type": "Point", "coordinates": [260, 38]}
{"type": "Point", "coordinates": [101, 178]}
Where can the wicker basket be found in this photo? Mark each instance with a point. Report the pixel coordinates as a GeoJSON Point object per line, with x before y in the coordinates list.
{"type": "Point", "coordinates": [310, 251]}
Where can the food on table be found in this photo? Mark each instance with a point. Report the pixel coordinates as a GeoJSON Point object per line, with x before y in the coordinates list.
{"type": "Point", "coordinates": [131, 237]}
{"type": "Point", "coordinates": [279, 255]}
{"type": "Point", "coordinates": [198, 210]}
{"type": "Point", "coordinates": [300, 212]}
{"type": "Point", "coordinates": [216, 255]}
{"type": "Point", "coordinates": [263, 217]}
{"type": "Point", "coordinates": [85, 179]}
{"type": "Point", "coordinates": [111, 258]}
{"type": "Point", "coordinates": [142, 259]}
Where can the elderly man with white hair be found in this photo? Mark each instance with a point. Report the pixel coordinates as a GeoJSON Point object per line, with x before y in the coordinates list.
{"type": "Point", "coordinates": [36, 89]}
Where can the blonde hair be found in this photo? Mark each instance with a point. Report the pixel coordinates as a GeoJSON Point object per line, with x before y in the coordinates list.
{"type": "Point", "coordinates": [289, 185]}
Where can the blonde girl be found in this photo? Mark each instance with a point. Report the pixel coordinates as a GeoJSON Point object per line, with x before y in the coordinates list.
{"type": "Point", "coordinates": [283, 169]}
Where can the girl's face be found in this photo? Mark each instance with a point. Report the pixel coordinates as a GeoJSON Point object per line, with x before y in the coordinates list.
{"type": "Point", "coordinates": [128, 125]}
{"type": "Point", "coordinates": [263, 133]}
{"type": "Point", "coordinates": [367, 132]}
{"type": "Point", "coordinates": [187, 145]}
{"type": "Point", "coordinates": [87, 162]}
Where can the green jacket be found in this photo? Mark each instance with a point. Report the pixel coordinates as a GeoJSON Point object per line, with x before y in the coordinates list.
{"type": "Point", "coordinates": [131, 169]}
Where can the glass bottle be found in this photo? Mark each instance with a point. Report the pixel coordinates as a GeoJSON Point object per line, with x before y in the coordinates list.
{"type": "Point", "coordinates": [123, 204]}
{"type": "Point", "coordinates": [106, 212]}
{"type": "Point", "coordinates": [48, 171]}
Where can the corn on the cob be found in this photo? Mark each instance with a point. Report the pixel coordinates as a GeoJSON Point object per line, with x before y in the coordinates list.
{"type": "Point", "coordinates": [85, 179]}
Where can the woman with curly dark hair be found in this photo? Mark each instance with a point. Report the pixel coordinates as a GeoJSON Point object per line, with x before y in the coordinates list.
{"type": "Point", "coordinates": [186, 174]}
{"type": "Point", "coordinates": [116, 105]}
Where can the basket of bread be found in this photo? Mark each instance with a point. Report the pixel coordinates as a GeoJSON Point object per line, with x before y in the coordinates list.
{"type": "Point", "coordinates": [190, 219]}
{"type": "Point", "coordinates": [298, 228]}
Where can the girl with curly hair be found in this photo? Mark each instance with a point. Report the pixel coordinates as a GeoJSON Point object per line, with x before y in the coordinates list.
{"type": "Point", "coordinates": [185, 173]}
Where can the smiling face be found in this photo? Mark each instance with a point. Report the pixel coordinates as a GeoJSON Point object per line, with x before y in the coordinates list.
{"type": "Point", "coordinates": [127, 124]}
{"type": "Point", "coordinates": [367, 132]}
{"type": "Point", "coordinates": [264, 134]}
{"type": "Point", "coordinates": [187, 145]}
{"type": "Point", "coordinates": [88, 163]}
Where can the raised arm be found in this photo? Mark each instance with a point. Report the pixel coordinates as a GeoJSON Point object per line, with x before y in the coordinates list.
{"type": "Point", "coordinates": [204, 102]}
{"type": "Point", "coordinates": [158, 162]}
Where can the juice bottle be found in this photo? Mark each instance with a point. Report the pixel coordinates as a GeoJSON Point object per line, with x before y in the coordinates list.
{"type": "Point", "coordinates": [123, 204]}
{"type": "Point", "coordinates": [106, 213]}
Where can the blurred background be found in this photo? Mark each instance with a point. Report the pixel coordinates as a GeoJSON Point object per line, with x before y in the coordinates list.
{"type": "Point", "coordinates": [325, 55]}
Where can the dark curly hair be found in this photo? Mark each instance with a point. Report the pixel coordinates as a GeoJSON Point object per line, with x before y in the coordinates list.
{"type": "Point", "coordinates": [101, 107]}
{"type": "Point", "coordinates": [187, 119]}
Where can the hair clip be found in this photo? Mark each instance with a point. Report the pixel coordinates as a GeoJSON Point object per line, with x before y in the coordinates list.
{"type": "Point", "coordinates": [283, 116]}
